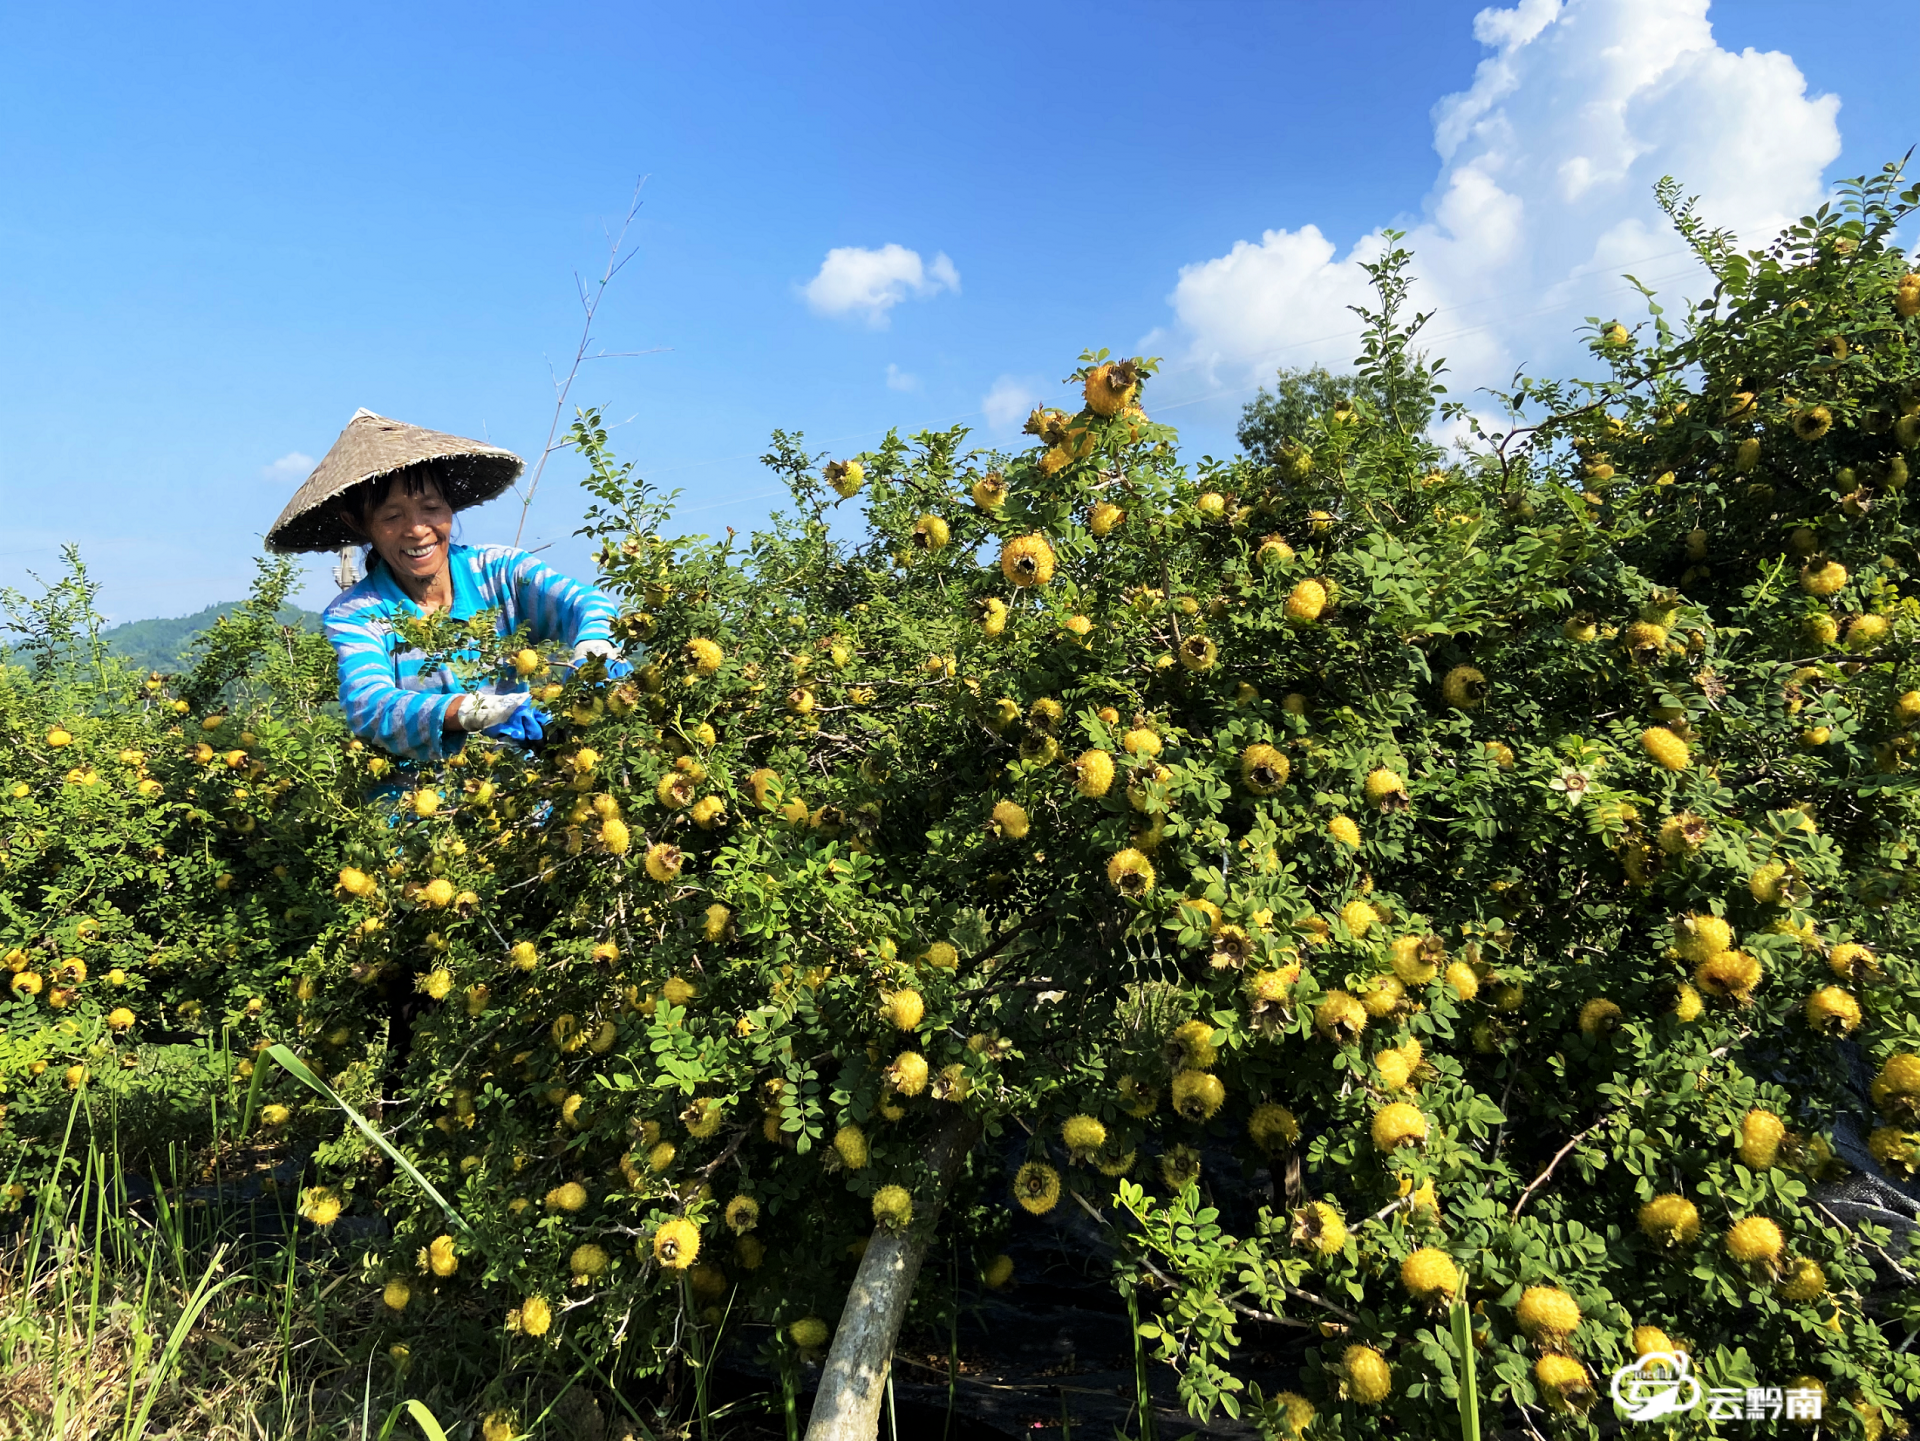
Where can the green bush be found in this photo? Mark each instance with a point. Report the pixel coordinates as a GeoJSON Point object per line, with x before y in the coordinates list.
{"type": "Point", "coordinates": [1468, 856]}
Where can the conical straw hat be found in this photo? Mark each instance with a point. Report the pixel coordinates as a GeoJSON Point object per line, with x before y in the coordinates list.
{"type": "Point", "coordinates": [371, 446]}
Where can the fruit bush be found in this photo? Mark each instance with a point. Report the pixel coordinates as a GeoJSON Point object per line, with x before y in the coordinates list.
{"type": "Point", "coordinates": [1499, 868]}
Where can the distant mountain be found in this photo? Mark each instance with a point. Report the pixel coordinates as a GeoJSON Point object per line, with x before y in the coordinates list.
{"type": "Point", "coordinates": [162, 645]}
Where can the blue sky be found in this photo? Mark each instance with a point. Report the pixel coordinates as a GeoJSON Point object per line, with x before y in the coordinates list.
{"type": "Point", "coordinates": [222, 228]}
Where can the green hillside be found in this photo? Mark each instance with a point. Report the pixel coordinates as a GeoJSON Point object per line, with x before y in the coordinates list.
{"type": "Point", "coordinates": [162, 644]}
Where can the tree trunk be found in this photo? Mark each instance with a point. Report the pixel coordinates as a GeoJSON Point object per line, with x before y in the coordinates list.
{"type": "Point", "coordinates": [854, 1380]}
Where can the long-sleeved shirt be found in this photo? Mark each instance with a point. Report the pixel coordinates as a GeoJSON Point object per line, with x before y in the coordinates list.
{"type": "Point", "coordinates": [390, 701]}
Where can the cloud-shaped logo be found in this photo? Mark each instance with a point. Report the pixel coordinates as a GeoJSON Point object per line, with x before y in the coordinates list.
{"type": "Point", "coordinates": [1658, 1384]}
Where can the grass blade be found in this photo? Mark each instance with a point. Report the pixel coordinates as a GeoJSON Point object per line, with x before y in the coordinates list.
{"type": "Point", "coordinates": [300, 1071]}
{"type": "Point", "coordinates": [1469, 1373]}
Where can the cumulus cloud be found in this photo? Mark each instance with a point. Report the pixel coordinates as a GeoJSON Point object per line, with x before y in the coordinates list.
{"type": "Point", "coordinates": [293, 466]}
{"type": "Point", "coordinates": [898, 379]}
{"type": "Point", "coordinates": [869, 283]}
{"type": "Point", "coordinates": [1009, 402]}
{"type": "Point", "coordinates": [1544, 196]}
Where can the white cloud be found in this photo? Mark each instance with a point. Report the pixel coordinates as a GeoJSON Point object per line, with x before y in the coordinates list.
{"type": "Point", "coordinates": [898, 379]}
{"type": "Point", "coordinates": [1544, 196]}
{"type": "Point", "coordinates": [293, 466]}
{"type": "Point", "coordinates": [1008, 403]}
{"type": "Point", "coordinates": [855, 281]}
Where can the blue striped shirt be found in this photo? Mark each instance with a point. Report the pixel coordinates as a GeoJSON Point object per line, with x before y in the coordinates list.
{"type": "Point", "coordinates": [387, 698]}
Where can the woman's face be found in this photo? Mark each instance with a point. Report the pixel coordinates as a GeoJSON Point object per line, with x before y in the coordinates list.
{"type": "Point", "coordinates": [411, 532]}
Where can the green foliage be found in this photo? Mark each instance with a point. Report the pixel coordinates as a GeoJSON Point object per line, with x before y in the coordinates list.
{"type": "Point", "coordinates": [167, 645]}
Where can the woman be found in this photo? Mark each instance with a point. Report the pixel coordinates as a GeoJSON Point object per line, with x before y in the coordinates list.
{"type": "Point", "coordinates": [395, 488]}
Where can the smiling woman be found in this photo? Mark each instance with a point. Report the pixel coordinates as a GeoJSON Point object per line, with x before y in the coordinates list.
{"type": "Point", "coordinates": [395, 488]}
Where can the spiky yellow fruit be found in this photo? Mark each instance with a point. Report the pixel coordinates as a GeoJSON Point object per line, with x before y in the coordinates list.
{"type": "Point", "coordinates": [1670, 1219]}
{"type": "Point", "coordinates": [1547, 1313]}
{"type": "Point", "coordinates": [990, 492]}
{"type": "Point", "coordinates": [930, 533]}
{"type": "Point", "coordinates": [1344, 831]}
{"type": "Point", "coordinates": [1564, 1382]}
{"type": "Point", "coordinates": [568, 1196]}
{"type": "Point", "coordinates": [1272, 1126]}
{"type": "Point", "coordinates": [1104, 518]}
{"type": "Point", "coordinates": [395, 1294]}
{"type": "Point", "coordinates": [1429, 1274]}
{"type": "Point", "coordinates": [1900, 1076]}
{"type": "Point", "coordinates": [1833, 1011]}
{"type": "Point", "coordinates": [904, 1008]}
{"type": "Point", "coordinates": [1369, 1379]}
{"type": "Point", "coordinates": [1092, 773]}
{"type": "Point", "coordinates": [1853, 962]}
{"type": "Point", "coordinates": [1130, 873]}
{"type": "Point", "coordinates": [1339, 1018]}
{"type": "Point", "coordinates": [1197, 1095]}
{"type": "Point", "coordinates": [1083, 1136]}
{"type": "Point", "coordinates": [846, 477]}
{"type": "Point", "coordinates": [1729, 976]}
{"type": "Point", "coordinates": [1110, 387]}
{"type": "Point", "coordinates": [1665, 748]}
{"type": "Point", "coordinates": [589, 1262]}
{"type": "Point", "coordinates": [1646, 1340]}
{"type": "Point", "coordinates": [664, 862]}
{"type": "Point", "coordinates": [1012, 820]}
{"type": "Point", "coordinates": [1803, 1280]}
{"type": "Point", "coordinates": [1263, 770]}
{"type": "Point", "coordinates": [1290, 1414]}
{"type": "Point", "coordinates": [742, 1215]}
{"type": "Point", "coordinates": [1464, 687]}
{"type": "Point", "coordinates": [676, 1243]}
{"type": "Point", "coordinates": [1036, 1186]}
{"type": "Point", "coordinates": [907, 1076]}
{"type": "Point", "coordinates": [1027, 560]}
{"type": "Point", "coordinates": [850, 1143]}
{"type": "Point", "coordinates": [893, 1208]}
{"type": "Point", "coordinates": [1307, 602]}
{"type": "Point", "coordinates": [1320, 1228]}
{"type": "Point", "coordinates": [1761, 1133]}
{"type": "Point", "coordinates": [1598, 1017]}
{"type": "Point", "coordinates": [1397, 1125]}
{"type": "Point", "coordinates": [1755, 1240]}
{"type": "Point", "coordinates": [1701, 937]}
{"type": "Point", "coordinates": [1825, 579]}
{"type": "Point", "coordinates": [1464, 980]}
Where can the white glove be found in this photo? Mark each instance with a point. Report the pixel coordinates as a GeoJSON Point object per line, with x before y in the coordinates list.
{"type": "Point", "coordinates": [481, 711]}
{"type": "Point", "coordinates": [605, 649]}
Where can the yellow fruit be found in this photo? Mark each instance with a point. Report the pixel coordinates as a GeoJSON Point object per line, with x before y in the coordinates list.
{"type": "Point", "coordinates": [846, 477]}
{"type": "Point", "coordinates": [1547, 1313]}
{"type": "Point", "coordinates": [1895, 1150]}
{"type": "Point", "coordinates": [1672, 1220]}
{"type": "Point", "coordinates": [441, 1259]}
{"type": "Point", "coordinates": [1769, 884]}
{"type": "Point", "coordinates": [1272, 1126]}
{"type": "Point", "coordinates": [119, 1018]}
{"type": "Point", "coordinates": [998, 1272]}
{"type": "Point", "coordinates": [809, 1333]}
{"type": "Point", "coordinates": [742, 1215]}
{"type": "Point", "coordinates": [1320, 1228]}
{"type": "Point", "coordinates": [1197, 1095]}
{"type": "Point", "coordinates": [1430, 1274]}
{"type": "Point", "coordinates": [1083, 1136]}
{"type": "Point", "coordinates": [1900, 1076]}
{"type": "Point", "coordinates": [1755, 1240]}
{"type": "Point", "coordinates": [1263, 770]}
{"type": "Point", "coordinates": [1011, 819]}
{"type": "Point", "coordinates": [1382, 998]}
{"type": "Point", "coordinates": [395, 1294]}
{"type": "Point", "coordinates": [1369, 1377]}
{"type": "Point", "coordinates": [904, 1009]}
{"type": "Point", "coordinates": [1825, 579]}
{"type": "Point", "coordinates": [1385, 789]}
{"type": "Point", "coordinates": [1667, 750]}
{"type": "Point", "coordinates": [1700, 937]}
{"type": "Point", "coordinates": [1729, 976]}
{"type": "Point", "coordinates": [1140, 742]}
{"type": "Point", "coordinates": [1027, 560]}
{"type": "Point", "coordinates": [1599, 1016]}
{"type": "Point", "coordinates": [1463, 979]}
{"type": "Point", "coordinates": [1104, 518]}
{"type": "Point", "coordinates": [1036, 1186]}
{"type": "Point", "coordinates": [1193, 1040]}
{"type": "Point", "coordinates": [942, 957]}
{"type": "Point", "coordinates": [1852, 962]}
{"type": "Point", "coordinates": [893, 1207]}
{"type": "Point", "coordinates": [1340, 1018]}
{"type": "Point", "coordinates": [1564, 1382]}
{"type": "Point", "coordinates": [1761, 1133]}
{"type": "Point", "coordinates": [1343, 830]}
{"type": "Point", "coordinates": [1290, 1414]}
{"type": "Point", "coordinates": [524, 956]}
{"type": "Point", "coordinates": [1416, 962]}
{"type": "Point", "coordinates": [1307, 602]}
{"type": "Point", "coordinates": [1866, 631]}
{"type": "Point", "coordinates": [930, 533]}
{"type": "Point", "coordinates": [1803, 1280]}
{"type": "Point", "coordinates": [1197, 653]}
{"type": "Point", "coordinates": [850, 1142]}
{"type": "Point", "coordinates": [1110, 387]}
{"type": "Point", "coordinates": [1397, 1125]}
{"type": "Point", "coordinates": [907, 1076]}
{"type": "Point", "coordinates": [676, 1243]}
{"type": "Point", "coordinates": [664, 862]}
{"type": "Point", "coordinates": [1130, 873]}
{"type": "Point", "coordinates": [1832, 1011]}
{"type": "Point", "coordinates": [1464, 687]}
{"type": "Point", "coordinates": [1092, 773]}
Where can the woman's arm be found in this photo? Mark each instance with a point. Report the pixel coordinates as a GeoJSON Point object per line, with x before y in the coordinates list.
{"type": "Point", "coordinates": [555, 606]}
{"type": "Point", "coordinates": [415, 725]}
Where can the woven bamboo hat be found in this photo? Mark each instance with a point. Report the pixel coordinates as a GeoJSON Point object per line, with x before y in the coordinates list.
{"type": "Point", "coordinates": [371, 446]}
